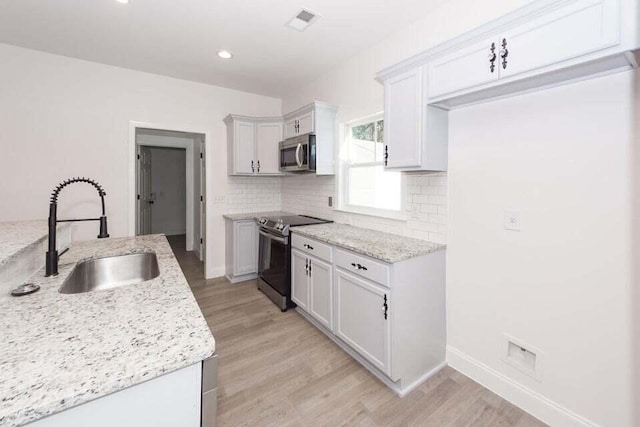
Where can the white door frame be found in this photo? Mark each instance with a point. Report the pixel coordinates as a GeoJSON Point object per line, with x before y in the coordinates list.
{"type": "Point", "coordinates": [131, 217]}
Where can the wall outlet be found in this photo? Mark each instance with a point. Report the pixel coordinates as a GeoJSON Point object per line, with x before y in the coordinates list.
{"type": "Point", "coordinates": [512, 221]}
{"type": "Point", "coordinates": [330, 201]}
{"type": "Point", "coordinates": [219, 199]}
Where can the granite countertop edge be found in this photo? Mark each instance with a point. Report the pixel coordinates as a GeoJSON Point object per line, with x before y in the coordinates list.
{"type": "Point", "coordinates": [354, 239]}
{"type": "Point", "coordinates": [32, 242]}
{"type": "Point", "coordinates": [242, 216]}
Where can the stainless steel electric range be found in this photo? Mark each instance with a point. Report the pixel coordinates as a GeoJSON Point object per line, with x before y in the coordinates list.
{"type": "Point", "coordinates": [274, 268]}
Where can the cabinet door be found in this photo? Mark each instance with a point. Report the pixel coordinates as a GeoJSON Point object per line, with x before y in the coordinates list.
{"type": "Point", "coordinates": [402, 114]}
{"type": "Point", "coordinates": [360, 320]}
{"type": "Point", "coordinates": [299, 279]}
{"type": "Point", "coordinates": [290, 128]}
{"type": "Point", "coordinates": [464, 68]}
{"type": "Point", "coordinates": [245, 246]}
{"type": "Point", "coordinates": [321, 286]}
{"type": "Point", "coordinates": [578, 28]}
{"type": "Point", "coordinates": [244, 143]}
{"type": "Point", "coordinates": [269, 136]}
{"type": "Point", "coordinates": [306, 123]}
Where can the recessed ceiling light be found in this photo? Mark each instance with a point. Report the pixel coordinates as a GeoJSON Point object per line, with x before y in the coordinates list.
{"type": "Point", "coordinates": [225, 54]}
{"type": "Point", "coordinates": [123, 1]}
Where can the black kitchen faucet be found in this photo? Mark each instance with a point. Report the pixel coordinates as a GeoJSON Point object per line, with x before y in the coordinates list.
{"type": "Point", "coordinates": [51, 260]}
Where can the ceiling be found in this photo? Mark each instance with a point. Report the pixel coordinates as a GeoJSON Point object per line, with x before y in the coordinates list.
{"type": "Point", "coordinates": [180, 38]}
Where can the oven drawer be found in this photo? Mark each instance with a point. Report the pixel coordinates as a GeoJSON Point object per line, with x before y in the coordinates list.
{"type": "Point", "coordinates": [364, 266]}
{"type": "Point", "coordinates": [312, 247]}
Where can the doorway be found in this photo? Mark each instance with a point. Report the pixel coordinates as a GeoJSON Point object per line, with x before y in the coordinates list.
{"type": "Point", "coordinates": [170, 186]}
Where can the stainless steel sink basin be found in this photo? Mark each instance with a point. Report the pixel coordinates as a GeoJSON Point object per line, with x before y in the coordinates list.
{"type": "Point", "coordinates": [111, 272]}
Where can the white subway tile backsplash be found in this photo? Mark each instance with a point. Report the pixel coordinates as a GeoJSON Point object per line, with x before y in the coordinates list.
{"type": "Point", "coordinates": [426, 205]}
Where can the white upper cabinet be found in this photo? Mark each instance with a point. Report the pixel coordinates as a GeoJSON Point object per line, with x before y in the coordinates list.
{"type": "Point", "coordinates": [244, 147]}
{"type": "Point", "coordinates": [402, 112]}
{"type": "Point", "coordinates": [269, 135]}
{"type": "Point", "coordinates": [318, 118]}
{"type": "Point", "coordinates": [468, 67]}
{"type": "Point", "coordinates": [252, 145]}
{"type": "Point", "coordinates": [578, 28]}
{"type": "Point", "coordinates": [542, 44]}
{"type": "Point", "coordinates": [300, 124]}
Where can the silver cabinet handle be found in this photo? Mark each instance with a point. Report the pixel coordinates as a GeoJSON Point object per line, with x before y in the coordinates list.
{"type": "Point", "coordinates": [258, 166]}
{"type": "Point", "coordinates": [253, 169]}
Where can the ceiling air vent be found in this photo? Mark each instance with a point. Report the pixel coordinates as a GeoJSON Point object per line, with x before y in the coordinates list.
{"type": "Point", "coordinates": [302, 20]}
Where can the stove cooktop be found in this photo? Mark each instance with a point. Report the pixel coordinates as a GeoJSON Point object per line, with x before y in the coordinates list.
{"type": "Point", "coordinates": [281, 224]}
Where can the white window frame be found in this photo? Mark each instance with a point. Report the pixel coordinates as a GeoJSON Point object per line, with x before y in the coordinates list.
{"type": "Point", "coordinates": [342, 182]}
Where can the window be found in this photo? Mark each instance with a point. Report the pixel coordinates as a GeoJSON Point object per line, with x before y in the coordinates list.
{"type": "Point", "coordinates": [366, 187]}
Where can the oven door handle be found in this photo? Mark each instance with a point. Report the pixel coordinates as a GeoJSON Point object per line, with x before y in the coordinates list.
{"type": "Point", "coordinates": [298, 160]}
{"type": "Point", "coordinates": [272, 237]}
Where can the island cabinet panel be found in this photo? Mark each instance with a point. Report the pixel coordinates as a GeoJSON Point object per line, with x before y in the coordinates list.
{"type": "Point", "coordinates": [166, 401]}
{"type": "Point", "coordinates": [390, 316]}
{"type": "Point", "coordinates": [362, 320]}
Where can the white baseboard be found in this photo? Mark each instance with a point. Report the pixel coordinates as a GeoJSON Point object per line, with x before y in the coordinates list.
{"type": "Point", "coordinates": [216, 272]}
{"type": "Point", "coordinates": [534, 403]}
{"type": "Point", "coordinates": [243, 278]}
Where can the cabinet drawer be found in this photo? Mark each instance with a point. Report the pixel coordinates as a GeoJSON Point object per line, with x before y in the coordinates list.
{"type": "Point", "coordinates": [312, 247]}
{"type": "Point", "coordinates": [365, 267]}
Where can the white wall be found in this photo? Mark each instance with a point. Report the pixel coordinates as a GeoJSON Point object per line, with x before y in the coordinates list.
{"type": "Point", "coordinates": [168, 184]}
{"type": "Point", "coordinates": [563, 285]}
{"type": "Point", "coordinates": [61, 117]}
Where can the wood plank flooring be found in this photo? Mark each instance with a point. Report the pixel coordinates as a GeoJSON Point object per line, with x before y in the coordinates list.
{"type": "Point", "coordinates": [276, 369]}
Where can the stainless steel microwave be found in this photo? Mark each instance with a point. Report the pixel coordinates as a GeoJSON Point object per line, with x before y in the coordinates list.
{"type": "Point", "coordinates": [298, 154]}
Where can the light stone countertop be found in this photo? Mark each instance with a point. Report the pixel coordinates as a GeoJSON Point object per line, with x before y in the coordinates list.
{"type": "Point", "coordinates": [17, 236]}
{"type": "Point", "coordinates": [254, 215]}
{"type": "Point", "coordinates": [58, 351]}
{"type": "Point", "coordinates": [385, 247]}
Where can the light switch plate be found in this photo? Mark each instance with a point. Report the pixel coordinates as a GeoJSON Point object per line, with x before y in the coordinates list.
{"type": "Point", "coordinates": [512, 221]}
{"type": "Point", "coordinates": [219, 199]}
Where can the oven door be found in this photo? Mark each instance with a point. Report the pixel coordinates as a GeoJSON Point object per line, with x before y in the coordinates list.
{"type": "Point", "coordinates": [273, 259]}
{"type": "Point", "coordinates": [294, 156]}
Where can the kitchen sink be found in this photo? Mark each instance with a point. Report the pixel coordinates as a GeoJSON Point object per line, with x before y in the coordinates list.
{"type": "Point", "coordinates": [111, 272]}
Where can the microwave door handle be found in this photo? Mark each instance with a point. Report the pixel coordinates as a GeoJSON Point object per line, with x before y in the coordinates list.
{"type": "Point", "coordinates": [298, 160]}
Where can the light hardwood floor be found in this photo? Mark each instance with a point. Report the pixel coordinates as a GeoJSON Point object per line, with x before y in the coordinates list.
{"type": "Point", "coordinates": [277, 370]}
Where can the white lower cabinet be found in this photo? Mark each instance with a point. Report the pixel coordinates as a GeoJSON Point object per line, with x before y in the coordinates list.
{"type": "Point", "coordinates": [362, 319]}
{"type": "Point", "coordinates": [321, 286]}
{"type": "Point", "coordinates": [389, 317]}
{"type": "Point", "coordinates": [312, 286]}
{"type": "Point", "coordinates": [300, 279]}
{"type": "Point", "coordinates": [241, 250]}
